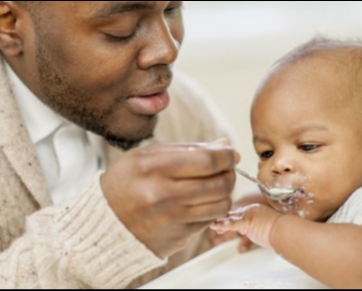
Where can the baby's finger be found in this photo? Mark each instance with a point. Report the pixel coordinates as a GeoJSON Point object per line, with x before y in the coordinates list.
{"type": "Point", "coordinates": [245, 244]}
{"type": "Point", "coordinates": [233, 223]}
{"type": "Point", "coordinates": [228, 236]}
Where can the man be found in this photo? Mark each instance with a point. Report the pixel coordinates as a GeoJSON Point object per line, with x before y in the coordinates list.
{"type": "Point", "coordinates": [70, 68]}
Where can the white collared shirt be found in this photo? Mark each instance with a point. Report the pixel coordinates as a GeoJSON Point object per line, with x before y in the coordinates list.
{"type": "Point", "coordinates": [69, 155]}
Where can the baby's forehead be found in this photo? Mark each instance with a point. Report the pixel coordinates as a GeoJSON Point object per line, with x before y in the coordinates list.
{"type": "Point", "coordinates": [309, 89]}
{"type": "Point", "coordinates": [321, 77]}
{"type": "Point", "coordinates": [345, 52]}
{"type": "Point", "coordinates": [316, 79]}
{"type": "Point", "coordinates": [342, 63]}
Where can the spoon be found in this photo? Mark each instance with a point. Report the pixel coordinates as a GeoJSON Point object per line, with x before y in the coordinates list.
{"type": "Point", "coordinates": [277, 194]}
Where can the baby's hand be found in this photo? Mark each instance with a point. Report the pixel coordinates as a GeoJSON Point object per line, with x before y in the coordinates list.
{"type": "Point", "coordinates": [255, 221]}
{"type": "Point", "coordinates": [218, 238]}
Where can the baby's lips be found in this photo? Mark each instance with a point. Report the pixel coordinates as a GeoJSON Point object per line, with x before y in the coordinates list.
{"type": "Point", "coordinates": [286, 184]}
{"type": "Point", "coordinates": [301, 196]}
{"type": "Point", "coordinates": [293, 181]}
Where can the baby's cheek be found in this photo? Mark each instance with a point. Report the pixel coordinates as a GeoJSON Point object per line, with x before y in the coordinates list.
{"type": "Point", "coordinates": [264, 177]}
{"type": "Point", "coordinates": [315, 210]}
{"type": "Point", "coordinates": [322, 211]}
{"type": "Point", "coordinates": [326, 201]}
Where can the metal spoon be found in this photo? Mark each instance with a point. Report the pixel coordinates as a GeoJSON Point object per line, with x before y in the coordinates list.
{"type": "Point", "coordinates": [277, 194]}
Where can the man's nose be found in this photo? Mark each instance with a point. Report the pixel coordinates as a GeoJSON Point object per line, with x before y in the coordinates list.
{"type": "Point", "coordinates": [283, 165]}
{"type": "Point", "coordinates": [161, 47]}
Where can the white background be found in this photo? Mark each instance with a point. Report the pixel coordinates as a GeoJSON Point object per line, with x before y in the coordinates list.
{"type": "Point", "coordinates": [230, 45]}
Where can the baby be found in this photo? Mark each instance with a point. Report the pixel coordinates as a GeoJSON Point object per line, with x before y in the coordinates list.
{"type": "Point", "coordinates": [307, 129]}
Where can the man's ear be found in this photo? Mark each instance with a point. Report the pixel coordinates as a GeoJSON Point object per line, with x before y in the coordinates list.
{"type": "Point", "coordinates": [11, 44]}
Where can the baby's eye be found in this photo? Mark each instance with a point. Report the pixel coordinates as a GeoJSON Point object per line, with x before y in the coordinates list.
{"type": "Point", "coordinates": [308, 147]}
{"type": "Point", "coordinates": [266, 155]}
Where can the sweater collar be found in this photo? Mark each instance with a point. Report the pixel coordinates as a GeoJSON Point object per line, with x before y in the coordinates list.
{"type": "Point", "coordinates": [16, 144]}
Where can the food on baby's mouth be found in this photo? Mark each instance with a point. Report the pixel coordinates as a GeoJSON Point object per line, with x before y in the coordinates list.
{"type": "Point", "coordinates": [280, 191]}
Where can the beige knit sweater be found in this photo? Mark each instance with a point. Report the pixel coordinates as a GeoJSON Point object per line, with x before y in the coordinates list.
{"type": "Point", "coordinates": [80, 244]}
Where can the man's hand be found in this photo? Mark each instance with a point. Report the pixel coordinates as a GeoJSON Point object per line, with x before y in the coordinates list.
{"type": "Point", "coordinates": [165, 194]}
{"type": "Point", "coordinates": [255, 222]}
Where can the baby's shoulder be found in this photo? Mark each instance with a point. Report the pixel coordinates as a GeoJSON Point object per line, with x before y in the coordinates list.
{"type": "Point", "coordinates": [350, 211]}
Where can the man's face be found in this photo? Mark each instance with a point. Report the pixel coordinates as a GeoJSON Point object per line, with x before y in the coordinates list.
{"type": "Point", "coordinates": [106, 65]}
{"type": "Point", "coordinates": [306, 139]}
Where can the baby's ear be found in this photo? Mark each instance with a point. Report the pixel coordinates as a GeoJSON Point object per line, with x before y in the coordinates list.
{"type": "Point", "coordinates": [11, 44]}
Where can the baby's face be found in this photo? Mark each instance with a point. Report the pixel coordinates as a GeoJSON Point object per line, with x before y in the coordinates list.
{"type": "Point", "coordinates": [306, 138]}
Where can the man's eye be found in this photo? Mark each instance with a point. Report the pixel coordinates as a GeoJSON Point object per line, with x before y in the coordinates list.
{"type": "Point", "coordinates": [119, 39]}
{"type": "Point", "coordinates": [266, 155]}
{"type": "Point", "coordinates": [309, 147]}
{"type": "Point", "coordinates": [173, 10]}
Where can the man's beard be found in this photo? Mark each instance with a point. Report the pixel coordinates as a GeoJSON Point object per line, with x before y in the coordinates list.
{"type": "Point", "coordinates": [55, 88]}
{"type": "Point", "coordinates": [123, 143]}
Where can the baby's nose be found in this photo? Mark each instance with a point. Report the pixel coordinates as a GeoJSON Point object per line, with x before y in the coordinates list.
{"type": "Point", "coordinates": [283, 166]}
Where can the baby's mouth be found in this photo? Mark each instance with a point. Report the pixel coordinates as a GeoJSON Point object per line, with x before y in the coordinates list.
{"type": "Point", "coordinates": [297, 204]}
{"type": "Point", "coordinates": [297, 191]}
{"type": "Point", "coordinates": [297, 196]}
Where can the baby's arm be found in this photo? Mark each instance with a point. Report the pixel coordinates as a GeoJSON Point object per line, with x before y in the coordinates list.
{"type": "Point", "coordinates": [331, 253]}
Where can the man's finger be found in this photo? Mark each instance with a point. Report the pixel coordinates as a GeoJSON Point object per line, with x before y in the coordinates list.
{"type": "Point", "coordinates": [205, 191]}
{"type": "Point", "coordinates": [194, 228]}
{"type": "Point", "coordinates": [207, 212]}
{"type": "Point", "coordinates": [188, 162]}
{"type": "Point", "coordinates": [221, 142]}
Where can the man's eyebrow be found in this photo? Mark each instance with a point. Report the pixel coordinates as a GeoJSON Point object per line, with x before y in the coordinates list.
{"type": "Point", "coordinates": [119, 7]}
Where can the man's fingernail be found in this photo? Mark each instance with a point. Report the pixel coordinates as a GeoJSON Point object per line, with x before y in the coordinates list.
{"type": "Point", "coordinates": [220, 143]}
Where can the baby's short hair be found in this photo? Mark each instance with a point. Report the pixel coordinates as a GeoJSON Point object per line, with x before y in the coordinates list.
{"type": "Point", "coordinates": [318, 45]}
{"type": "Point", "coordinates": [346, 60]}
{"type": "Point", "coordinates": [346, 55]}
